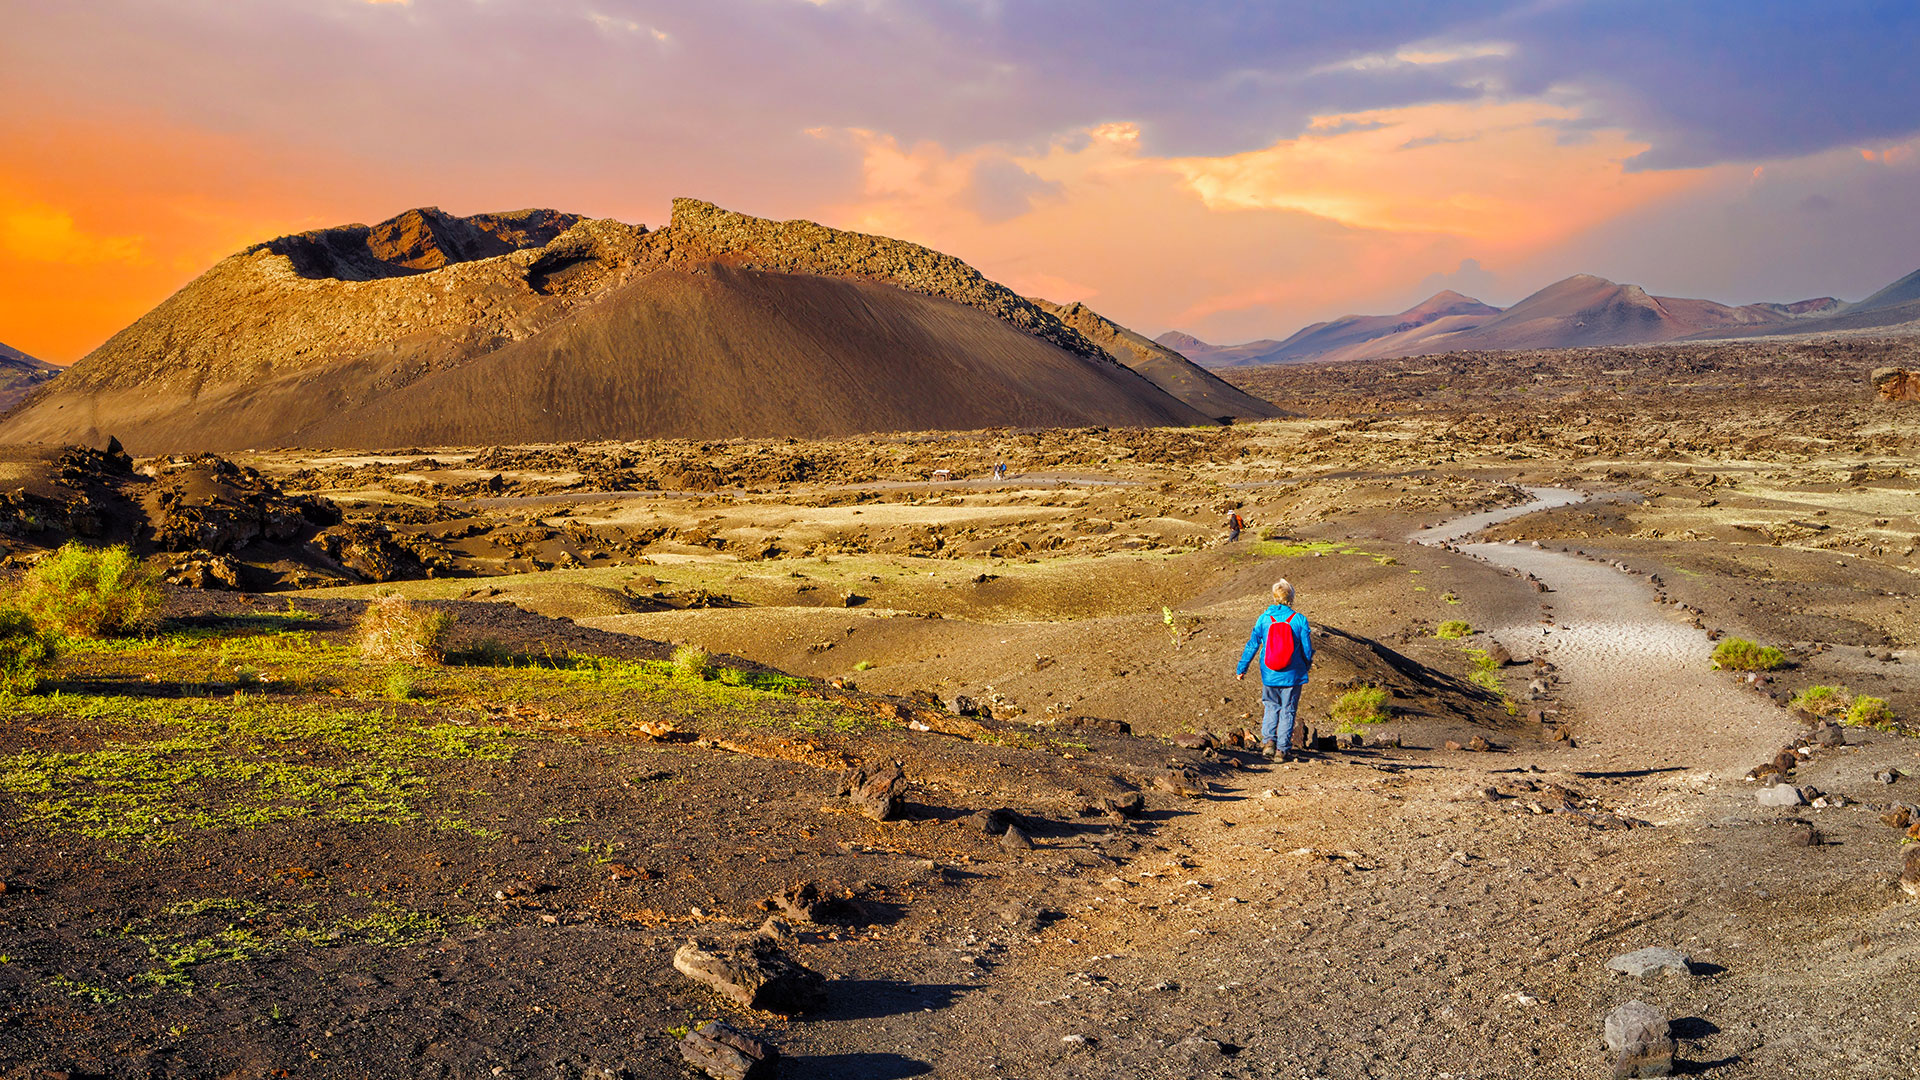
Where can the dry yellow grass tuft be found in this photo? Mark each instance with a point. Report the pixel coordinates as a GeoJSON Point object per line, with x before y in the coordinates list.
{"type": "Point", "coordinates": [395, 629]}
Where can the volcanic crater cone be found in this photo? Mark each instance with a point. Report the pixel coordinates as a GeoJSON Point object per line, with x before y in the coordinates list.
{"type": "Point", "coordinates": [539, 326]}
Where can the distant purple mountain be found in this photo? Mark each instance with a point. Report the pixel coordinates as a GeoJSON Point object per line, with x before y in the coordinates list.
{"type": "Point", "coordinates": [1579, 311]}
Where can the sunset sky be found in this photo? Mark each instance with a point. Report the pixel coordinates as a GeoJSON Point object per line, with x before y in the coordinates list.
{"type": "Point", "coordinates": [1231, 169]}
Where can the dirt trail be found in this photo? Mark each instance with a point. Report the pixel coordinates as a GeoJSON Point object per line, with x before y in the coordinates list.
{"type": "Point", "coordinates": [1635, 676]}
{"type": "Point", "coordinates": [1383, 917]}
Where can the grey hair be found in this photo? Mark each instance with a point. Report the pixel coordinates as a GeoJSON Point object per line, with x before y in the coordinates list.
{"type": "Point", "coordinates": [1283, 591]}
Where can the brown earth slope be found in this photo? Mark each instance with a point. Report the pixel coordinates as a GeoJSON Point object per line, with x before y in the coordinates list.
{"type": "Point", "coordinates": [536, 325]}
{"type": "Point", "coordinates": [20, 374]}
{"type": "Point", "coordinates": [1166, 368]}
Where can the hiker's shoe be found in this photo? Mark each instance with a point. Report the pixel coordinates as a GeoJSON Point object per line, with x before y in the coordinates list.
{"type": "Point", "coordinates": [1266, 750]}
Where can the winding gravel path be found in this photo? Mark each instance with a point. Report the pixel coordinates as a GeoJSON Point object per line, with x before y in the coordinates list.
{"type": "Point", "coordinates": [1635, 677]}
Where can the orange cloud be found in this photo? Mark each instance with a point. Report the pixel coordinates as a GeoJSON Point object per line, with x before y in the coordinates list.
{"type": "Point", "coordinates": [1350, 215]}
{"type": "Point", "coordinates": [36, 232]}
{"type": "Point", "coordinates": [103, 217]}
{"type": "Point", "coordinates": [1496, 172]}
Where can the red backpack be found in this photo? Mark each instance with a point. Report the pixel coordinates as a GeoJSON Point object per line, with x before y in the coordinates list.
{"type": "Point", "coordinates": [1280, 647]}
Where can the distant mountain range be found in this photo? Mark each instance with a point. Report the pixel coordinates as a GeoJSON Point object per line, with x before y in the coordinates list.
{"type": "Point", "coordinates": [1582, 310]}
{"type": "Point", "coordinates": [19, 374]}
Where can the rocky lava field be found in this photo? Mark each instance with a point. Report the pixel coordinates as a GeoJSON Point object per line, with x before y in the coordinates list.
{"type": "Point", "coordinates": [233, 847]}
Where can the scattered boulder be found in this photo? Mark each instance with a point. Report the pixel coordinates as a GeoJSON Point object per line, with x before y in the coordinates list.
{"type": "Point", "coordinates": [1803, 834]}
{"type": "Point", "coordinates": [371, 551]}
{"type": "Point", "coordinates": [1640, 1040]}
{"type": "Point", "coordinates": [1016, 839]}
{"type": "Point", "coordinates": [726, 1053]}
{"type": "Point", "coordinates": [803, 903]}
{"type": "Point", "coordinates": [1126, 804]}
{"type": "Point", "coordinates": [992, 822]}
{"type": "Point", "coordinates": [877, 795]}
{"type": "Point", "coordinates": [1779, 795]}
{"type": "Point", "coordinates": [753, 972]}
{"type": "Point", "coordinates": [1829, 736]}
{"type": "Point", "coordinates": [1896, 384]}
{"type": "Point", "coordinates": [1900, 817]}
{"type": "Point", "coordinates": [1653, 960]}
{"type": "Point", "coordinates": [205, 570]}
{"type": "Point", "coordinates": [1182, 782]}
{"type": "Point", "coordinates": [209, 503]}
{"type": "Point", "coordinates": [1192, 741]}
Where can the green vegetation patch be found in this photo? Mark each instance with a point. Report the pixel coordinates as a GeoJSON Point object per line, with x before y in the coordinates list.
{"type": "Point", "coordinates": [1359, 707]}
{"type": "Point", "coordinates": [1294, 549]}
{"type": "Point", "coordinates": [1870, 712]}
{"type": "Point", "coordinates": [1484, 672]}
{"type": "Point", "coordinates": [1739, 654]}
{"type": "Point", "coordinates": [235, 764]}
{"type": "Point", "coordinates": [256, 722]}
{"type": "Point", "coordinates": [1453, 629]}
{"type": "Point", "coordinates": [1827, 701]}
{"type": "Point", "coordinates": [85, 592]}
{"type": "Point", "coordinates": [1838, 703]}
{"type": "Point", "coordinates": [26, 652]}
{"type": "Point", "coordinates": [186, 941]}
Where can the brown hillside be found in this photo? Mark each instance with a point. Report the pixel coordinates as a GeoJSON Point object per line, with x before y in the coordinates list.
{"type": "Point", "coordinates": [508, 328]}
{"type": "Point", "coordinates": [20, 374]}
{"type": "Point", "coordinates": [1166, 368]}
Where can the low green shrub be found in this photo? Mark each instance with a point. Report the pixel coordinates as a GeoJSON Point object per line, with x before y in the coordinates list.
{"type": "Point", "coordinates": [1823, 700]}
{"type": "Point", "coordinates": [1358, 707]}
{"type": "Point", "coordinates": [1453, 628]}
{"type": "Point", "coordinates": [26, 651]}
{"type": "Point", "coordinates": [1869, 712]}
{"type": "Point", "coordinates": [692, 662]}
{"type": "Point", "coordinates": [85, 592]}
{"type": "Point", "coordinates": [403, 685]}
{"type": "Point", "coordinates": [1739, 654]}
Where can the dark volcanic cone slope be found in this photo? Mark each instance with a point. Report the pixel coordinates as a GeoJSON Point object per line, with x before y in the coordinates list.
{"type": "Point", "coordinates": [692, 354]}
{"type": "Point", "coordinates": [1177, 375]}
{"type": "Point", "coordinates": [537, 326]}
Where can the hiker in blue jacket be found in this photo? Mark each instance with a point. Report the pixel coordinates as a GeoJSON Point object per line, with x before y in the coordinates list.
{"type": "Point", "coordinates": [1283, 668]}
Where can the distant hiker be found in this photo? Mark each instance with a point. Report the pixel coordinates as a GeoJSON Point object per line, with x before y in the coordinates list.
{"type": "Point", "coordinates": [1284, 644]}
{"type": "Point", "coordinates": [1000, 471]}
{"type": "Point", "coordinates": [1234, 524]}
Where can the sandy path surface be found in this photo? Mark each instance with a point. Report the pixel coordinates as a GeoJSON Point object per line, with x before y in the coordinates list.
{"type": "Point", "coordinates": [1636, 677]}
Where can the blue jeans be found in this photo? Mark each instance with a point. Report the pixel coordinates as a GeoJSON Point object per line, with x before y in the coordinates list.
{"type": "Point", "coordinates": [1281, 703]}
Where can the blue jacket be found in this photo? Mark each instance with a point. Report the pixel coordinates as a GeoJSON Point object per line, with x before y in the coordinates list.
{"type": "Point", "coordinates": [1295, 673]}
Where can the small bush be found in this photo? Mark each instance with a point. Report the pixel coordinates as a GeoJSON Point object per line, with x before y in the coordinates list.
{"type": "Point", "coordinates": [487, 652]}
{"type": "Point", "coordinates": [403, 685]}
{"type": "Point", "coordinates": [1824, 700]}
{"type": "Point", "coordinates": [1869, 712]}
{"type": "Point", "coordinates": [87, 592]}
{"type": "Point", "coordinates": [1739, 654]}
{"type": "Point", "coordinates": [26, 651]}
{"type": "Point", "coordinates": [691, 662]}
{"type": "Point", "coordinates": [1453, 628]}
{"type": "Point", "coordinates": [394, 628]}
{"type": "Point", "coordinates": [864, 665]}
{"type": "Point", "coordinates": [1359, 707]}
